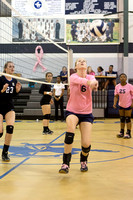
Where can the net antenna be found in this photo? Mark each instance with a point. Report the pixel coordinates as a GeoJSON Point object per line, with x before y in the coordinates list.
{"type": "Point", "coordinates": [24, 62]}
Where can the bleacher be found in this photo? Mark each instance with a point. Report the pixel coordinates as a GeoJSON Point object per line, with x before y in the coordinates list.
{"type": "Point", "coordinates": [27, 103]}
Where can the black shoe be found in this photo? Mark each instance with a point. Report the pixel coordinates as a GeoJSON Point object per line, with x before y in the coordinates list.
{"type": "Point", "coordinates": [49, 131]}
{"type": "Point", "coordinates": [120, 135]}
{"type": "Point", "coordinates": [1, 134]}
{"type": "Point", "coordinates": [84, 167]}
{"type": "Point", "coordinates": [127, 136]}
{"type": "Point", "coordinates": [45, 132]}
{"type": "Point", "coordinates": [5, 157]}
{"type": "Point", "coordinates": [64, 169]}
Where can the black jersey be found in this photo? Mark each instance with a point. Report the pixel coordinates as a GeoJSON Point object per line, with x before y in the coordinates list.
{"type": "Point", "coordinates": [7, 96]}
{"type": "Point", "coordinates": [46, 98]}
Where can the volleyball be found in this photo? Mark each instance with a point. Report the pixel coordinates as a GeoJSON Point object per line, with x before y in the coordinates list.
{"type": "Point", "coordinates": [97, 28]}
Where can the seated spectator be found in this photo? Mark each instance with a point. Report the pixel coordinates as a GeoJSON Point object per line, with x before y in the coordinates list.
{"type": "Point", "coordinates": [63, 74]}
{"type": "Point", "coordinates": [72, 71]}
{"type": "Point", "coordinates": [90, 71]}
{"type": "Point", "coordinates": [111, 81]}
{"type": "Point", "coordinates": [100, 81]}
{"type": "Point", "coordinates": [100, 71]}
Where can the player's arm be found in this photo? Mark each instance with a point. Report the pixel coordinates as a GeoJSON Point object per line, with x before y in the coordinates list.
{"type": "Point", "coordinates": [4, 88]}
{"type": "Point", "coordinates": [115, 100]}
{"type": "Point", "coordinates": [93, 84]}
{"type": "Point", "coordinates": [18, 87]}
{"type": "Point", "coordinates": [54, 95]}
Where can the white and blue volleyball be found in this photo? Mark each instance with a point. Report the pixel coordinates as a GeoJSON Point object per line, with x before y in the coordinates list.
{"type": "Point", "coordinates": [97, 28]}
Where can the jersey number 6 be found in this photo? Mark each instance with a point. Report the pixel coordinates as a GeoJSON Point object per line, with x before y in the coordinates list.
{"type": "Point", "coordinates": [83, 88]}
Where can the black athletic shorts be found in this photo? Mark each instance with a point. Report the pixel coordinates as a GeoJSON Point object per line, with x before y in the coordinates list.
{"type": "Point", "coordinates": [121, 108]}
{"type": "Point", "coordinates": [81, 117]}
{"type": "Point", "coordinates": [4, 109]}
{"type": "Point", "coordinates": [45, 100]}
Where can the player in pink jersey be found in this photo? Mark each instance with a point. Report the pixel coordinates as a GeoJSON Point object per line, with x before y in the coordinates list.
{"type": "Point", "coordinates": [124, 91]}
{"type": "Point", "coordinates": [79, 111]}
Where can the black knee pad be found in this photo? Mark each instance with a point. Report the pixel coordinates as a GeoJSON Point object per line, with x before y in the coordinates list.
{"type": "Point", "coordinates": [122, 119]}
{"type": "Point", "coordinates": [69, 138]}
{"type": "Point", "coordinates": [128, 119]}
{"type": "Point", "coordinates": [87, 149]}
{"type": "Point", "coordinates": [47, 116]}
{"type": "Point", "coordinates": [9, 129]}
{"type": "Point", "coordinates": [1, 134]}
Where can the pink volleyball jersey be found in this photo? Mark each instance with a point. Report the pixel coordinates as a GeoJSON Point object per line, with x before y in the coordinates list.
{"type": "Point", "coordinates": [125, 94]}
{"type": "Point", "coordinates": [80, 100]}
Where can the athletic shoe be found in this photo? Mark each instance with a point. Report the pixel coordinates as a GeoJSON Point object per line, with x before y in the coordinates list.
{"type": "Point", "coordinates": [127, 136]}
{"type": "Point", "coordinates": [49, 131]}
{"type": "Point", "coordinates": [45, 132]}
{"type": "Point", "coordinates": [5, 157]}
{"type": "Point", "coordinates": [64, 169]}
{"type": "Point", "coordinates": [120, 135]}
{"type": "Point", "coordinates": [84, 167]}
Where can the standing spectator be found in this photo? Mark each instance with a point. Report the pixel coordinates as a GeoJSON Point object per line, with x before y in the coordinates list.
{"type": "Point", "coordinates": [9, 87]}
{"type": "Point", "coordinates": [63, 74]}
{"type": "Point", "coordinates": [79, 111]}
{"type": "Point", "coordinates": [57, 29]}
{"type": "Point", "coordinates": [20, 29]}
{"type": "Point", "coordinates": [58, 93]}
{"type": "Point", "coordinates": [124, 91]}
{"type": "Point", "coordinates": [46, 101]}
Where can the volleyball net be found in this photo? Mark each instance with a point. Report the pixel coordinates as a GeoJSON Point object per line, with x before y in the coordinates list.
{"type": "Point", "coordinates": [33, 45]}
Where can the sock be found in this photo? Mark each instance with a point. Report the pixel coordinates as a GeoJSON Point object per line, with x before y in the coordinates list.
{"type": "Point", "coordinates": [83, 158]}
{"type": "Point", "coordinates": [5, 148]}
{"type": "Point", "coordinates": [66, 158]}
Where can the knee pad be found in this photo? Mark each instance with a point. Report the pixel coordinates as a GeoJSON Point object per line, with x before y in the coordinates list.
{"type": "Point", "coordinates": [1, 135]}
{"type": "Point", "coordinates": [122, 119]}
{"type": "Point", "coordinates": [47, 116]}
{"type": "Point", "coordinates": [87, 149]}
{"type": "Point", "coordinates": [9, 129]}
{"type": "Point", "coordinates": [128, 119]}
{"type": "Point", "coordinates": [69, 138]}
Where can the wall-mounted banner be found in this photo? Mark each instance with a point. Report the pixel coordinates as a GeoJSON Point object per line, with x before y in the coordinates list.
{"type": "Point", "coordinates": [44, 28]}
{"type": "Point", "coordinates": [80, 31]}
{"type": "Point", "coordinates": [90, 6]}
{"type": "Point", "coordinates": [39, 7]}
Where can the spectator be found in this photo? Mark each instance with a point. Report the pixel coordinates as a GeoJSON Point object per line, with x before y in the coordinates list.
{"type": "Point", "coordinates": [110, 81]}
{"type": "Point", "coordinates": [90, 71]}
{"type": "Point", "coordinates": [58, 93]}
{"type": "Point", "coordinates": [100, 80]}
{"type": "Point", "coordinates": [100, 71]}
{"type": "Point", "coordinates": [63, 74]}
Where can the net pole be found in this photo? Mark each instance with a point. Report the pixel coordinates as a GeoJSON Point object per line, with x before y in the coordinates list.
{"type": "Point", "coordinates": [9, 6]}
{"type": "Point", "coordinates": [70, 63]}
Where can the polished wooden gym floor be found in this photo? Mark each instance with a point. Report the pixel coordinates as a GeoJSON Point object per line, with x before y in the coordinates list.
{"type": "Point", "coordinates": [33, 174]}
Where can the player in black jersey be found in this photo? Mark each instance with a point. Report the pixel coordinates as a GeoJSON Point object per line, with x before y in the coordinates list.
{"type": "Point", "coordinates": [46, 102]}
{"type": "Point", "coordinates": [9, 87]}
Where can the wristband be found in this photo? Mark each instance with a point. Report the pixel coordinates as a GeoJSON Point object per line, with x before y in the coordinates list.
{"type": "Point", "coordinates": [47, 93]}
